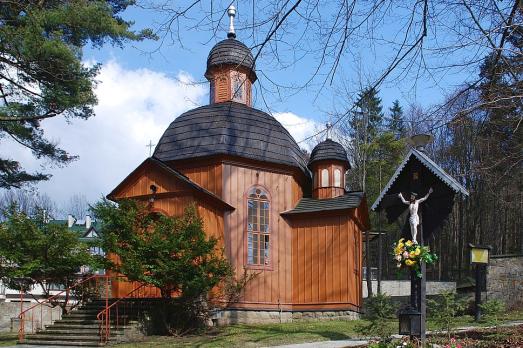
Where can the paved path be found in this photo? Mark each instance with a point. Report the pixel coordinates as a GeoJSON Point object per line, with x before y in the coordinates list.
{"type": "Point", "coordinates": [33, 346]}
{"type": "Point", "coordinates": [326, 344]}
{"type": "Point", "coordinates": [355, 343]}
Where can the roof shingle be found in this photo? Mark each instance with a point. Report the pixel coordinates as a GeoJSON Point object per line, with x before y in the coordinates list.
{"type": "Point", "coordinates": [229, 128]}
{"type": "Point", "coordinates": [328, 150]}
{"type": "Point", "coordinates": [349, 200]}
{"type": "Point", "coordinates": [231, 52]}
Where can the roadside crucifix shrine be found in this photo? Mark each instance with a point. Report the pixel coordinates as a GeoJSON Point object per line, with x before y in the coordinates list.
{"type": "Point", "coordinates": [420, 195]}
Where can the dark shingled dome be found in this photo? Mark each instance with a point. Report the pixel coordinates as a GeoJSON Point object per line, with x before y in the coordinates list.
{"type": "Point", "coordinates": [229, 128]}
{"type": "Point", "coordinates": [231, 52]}
{"type": "Point", "coordinates": [328, 150]}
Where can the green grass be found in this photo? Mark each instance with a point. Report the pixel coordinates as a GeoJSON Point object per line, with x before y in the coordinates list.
{"type": "Point", "coordinates": [246, 336]}
{"type": "Point", "coordinates": [8, 339]}
{"type": "Point", "coordinates": [259, 335]}
{"type": "Point", "coordinates": [468, 320]}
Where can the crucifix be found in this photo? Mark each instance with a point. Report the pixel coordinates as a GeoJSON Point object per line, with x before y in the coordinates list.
{"type": "Point", "coordinates": [150, 146]}
{"type": "Point", "coordinates": [418, 173]}
{"type": "Point", "coordinates": [413, 204]}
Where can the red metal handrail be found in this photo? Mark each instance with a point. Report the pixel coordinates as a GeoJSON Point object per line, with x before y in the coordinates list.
{"type": "Point", "coordinates": [105, 315]}
{"type": "Point", "coordinates": [21, 330]}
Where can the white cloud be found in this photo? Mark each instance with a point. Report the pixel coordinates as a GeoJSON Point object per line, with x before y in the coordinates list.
{"type": "Point", "coordinates": [134, 107]}
{"type": "Point", "coordinates": [299, 127]}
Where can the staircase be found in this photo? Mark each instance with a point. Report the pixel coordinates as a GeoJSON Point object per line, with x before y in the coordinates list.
{"type": "Point", "coordinates": [81, 328]}
{"type": "Point", "coordinates": [95, 323]}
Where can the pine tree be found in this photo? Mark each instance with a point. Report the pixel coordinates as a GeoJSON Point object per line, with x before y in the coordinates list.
{"type": "Point", "coordinates": [364, 126]}
{"type": "Point", "coordinates": [370, 106]}
{"type": "Point", "coordinates": [395, 122]}
{"type": "Point", "coordinates": [375, 150]}
{"type": "Point", "coordinates": [35, 254]}
{"type": "Point", "coordinates": [42, 75]}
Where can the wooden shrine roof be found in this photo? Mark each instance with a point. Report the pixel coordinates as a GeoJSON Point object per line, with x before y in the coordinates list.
{"type": "Point", "coordinates": [430, 165]}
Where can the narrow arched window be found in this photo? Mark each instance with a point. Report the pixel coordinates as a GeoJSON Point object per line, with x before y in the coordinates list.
{"type": "Point", "coordinates": [337, 177]}
{"type": "Point", "coordinates": [258, 229]}
{"type": "Point", "coordinates": [324, 178]}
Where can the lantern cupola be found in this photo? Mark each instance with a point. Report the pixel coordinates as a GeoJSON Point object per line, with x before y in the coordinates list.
{"type": "Point", "coordinates": [328, 164]}
{"type": "Point", "coordinates": [230, 69]}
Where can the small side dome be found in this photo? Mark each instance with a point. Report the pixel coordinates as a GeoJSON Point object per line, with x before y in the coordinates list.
{"type": "Point", "coordinates": [329, 150]}
{"type": "Point", "coordinates": [231, 52]}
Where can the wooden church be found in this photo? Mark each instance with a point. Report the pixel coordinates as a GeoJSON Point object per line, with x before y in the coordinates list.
{"type": "Point", "coordinates": [281, 216]}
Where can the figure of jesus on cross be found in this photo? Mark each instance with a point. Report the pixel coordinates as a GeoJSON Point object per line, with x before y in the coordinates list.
{"type": "Point", "coordinates": [413, 204]}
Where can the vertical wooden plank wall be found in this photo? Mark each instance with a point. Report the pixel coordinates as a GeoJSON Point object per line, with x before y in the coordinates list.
{"type": "Point", "coordinates": [315, 263]}
{"type": "Point", "coordinates": [142, 180]}
{"type": "Point", "coordinates": [209, 177]}
{"type": "Point", "coordinates": [175, 206]}
{"type": "Point", "coordinates": [272, 285]}
{"type": "Point", "coordinates": [325, 263]}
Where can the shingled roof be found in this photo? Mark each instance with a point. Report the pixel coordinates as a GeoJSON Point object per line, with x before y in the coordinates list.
{"type": "Point", "coordinates": [328, 150]}
{"type": "Point", "coordinates": [435, 169]}
{"type": "Point", "coordinates": [349, 200]}
{"type": "Point", "coordinates": [229, 128]}
{"type": "Point", "coordinates": [231, 52]}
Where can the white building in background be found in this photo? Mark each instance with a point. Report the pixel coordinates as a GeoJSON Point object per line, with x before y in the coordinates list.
{"type": "Point", "coordinates": [88, 230]}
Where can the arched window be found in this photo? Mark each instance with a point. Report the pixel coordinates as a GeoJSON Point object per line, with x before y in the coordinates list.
{"type": "Point", "coordinates": [324, 178]}
{"type": "Point", "coordinates": [337, 178]}
{"type": "Point", "coordinates": [258, 231]}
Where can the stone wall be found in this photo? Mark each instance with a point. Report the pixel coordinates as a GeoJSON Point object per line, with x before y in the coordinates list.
{"type": "Point", "coordinates": [9, 312]}
{"type": "Point", "coordinates": [226, 317]}
{"type": "Point", "coordinates": [505, 280]}
{"type": "Point", "coordinates": [400, 288]}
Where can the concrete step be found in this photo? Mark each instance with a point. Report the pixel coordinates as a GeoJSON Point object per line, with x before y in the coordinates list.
{"type": "Point", "coordinates": [81, 328]}
{"type": "Point", "coordinates": [60, 326]}
{"type": "Point", "coordinates": [80, 315]}
{"type": "Point", "coordinates": [78, 332]}
{"type": "Point", "coordinates": [87, 310]}
{"type": "Point", "coordinates": [46, 337]}
{"type": "Point", "coordinates": [77, 321]}
{"type": "Point", "coordinates": [62, 343]}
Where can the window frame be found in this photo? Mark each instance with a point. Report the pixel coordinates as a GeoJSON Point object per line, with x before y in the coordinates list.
{"type": "Point", "coordinates": [322, 171]}
{"type": "Point", "coordinates": [241, 78]}
{"type": "Point", "coordinates": [334, 171]}
{"type": "Point", "coordinates": [271, 234]}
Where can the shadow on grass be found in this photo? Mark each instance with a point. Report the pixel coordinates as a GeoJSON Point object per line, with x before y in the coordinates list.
{"type": "Point", "coordinates": [8, 339]}
{"type": "Point", "coordinates": [239, 335]}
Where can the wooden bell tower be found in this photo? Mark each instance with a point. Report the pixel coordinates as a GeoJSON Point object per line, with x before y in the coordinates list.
{"type": "Point", "coordinates": [230, 69]}
{"type": "Point", "coordinates": [328, 164]}
{"type": "Point", "coordinates": [328, 178]}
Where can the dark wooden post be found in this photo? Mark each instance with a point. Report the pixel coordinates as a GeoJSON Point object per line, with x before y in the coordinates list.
{"type": "Point", "coordinates": [477, 314]}
{"type": "Point", "coordinates": [422, 289]}
{"type": "Point", "coordinates": [380, 252]}
{"type": "Point", "coordinates": [380, 242]}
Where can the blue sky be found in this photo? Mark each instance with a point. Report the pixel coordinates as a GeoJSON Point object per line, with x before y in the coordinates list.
{"type": "Point", "coordinates": [141, 93]}
{"type": "Point", "coordinates": [363, 64]}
